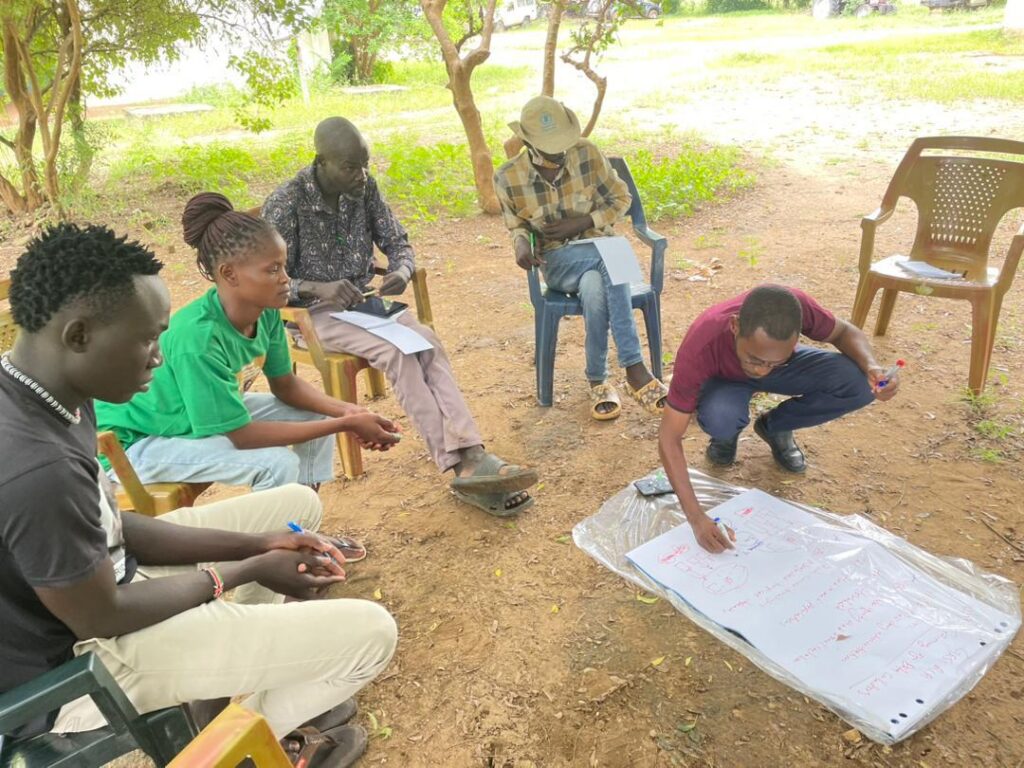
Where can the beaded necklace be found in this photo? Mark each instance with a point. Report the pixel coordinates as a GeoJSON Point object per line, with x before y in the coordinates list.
{"type": "Point", "coordinates": [35, 386]}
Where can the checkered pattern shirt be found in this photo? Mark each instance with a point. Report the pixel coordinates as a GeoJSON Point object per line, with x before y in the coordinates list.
{"type": "Point", "coordinates": [586, 184]}
{"type": "Point", "coordinates": [327, 245]}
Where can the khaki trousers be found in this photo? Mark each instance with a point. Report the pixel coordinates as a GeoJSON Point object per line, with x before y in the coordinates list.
{"type": "Point", "coordinates": [423, 383]}
{"type": "Point", "coordinates": [295, 660]}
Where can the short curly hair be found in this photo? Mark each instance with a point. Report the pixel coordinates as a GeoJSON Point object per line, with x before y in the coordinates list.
{"type": "Point", "coordinates": [773, 308]}
{"type": "Point", "coordinates": [67, 262]}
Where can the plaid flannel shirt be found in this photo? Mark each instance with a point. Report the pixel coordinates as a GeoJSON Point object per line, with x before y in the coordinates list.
{"type": "Point", "coordinates": [586, 184]}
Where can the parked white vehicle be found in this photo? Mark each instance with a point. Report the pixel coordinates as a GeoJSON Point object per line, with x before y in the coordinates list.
{"type": "Point", "coordinates": [515, 13]}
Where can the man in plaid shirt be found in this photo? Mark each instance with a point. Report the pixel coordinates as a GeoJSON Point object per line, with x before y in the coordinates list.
{"type": "Point", "coordinates": [559, 190]}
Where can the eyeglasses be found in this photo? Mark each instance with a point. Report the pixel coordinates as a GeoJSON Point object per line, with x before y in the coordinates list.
{"type": "Point", "coordinates": [755, 362]}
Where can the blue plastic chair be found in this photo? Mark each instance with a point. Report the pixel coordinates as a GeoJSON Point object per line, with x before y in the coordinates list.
{"type": "Point", "coordinates": [550, 306]}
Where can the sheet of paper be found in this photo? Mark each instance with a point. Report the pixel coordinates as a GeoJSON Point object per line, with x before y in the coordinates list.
{"type": "Point", "coordinates": [364, 320]}
{"type": "Point", "coordinates": [835, 609]}
{"type": "Point", "coordinates": [404, 338]}
{"type": "Point", "coordinates": [618, 257]}
{"type": "Point", "coordinates": [924, 269]}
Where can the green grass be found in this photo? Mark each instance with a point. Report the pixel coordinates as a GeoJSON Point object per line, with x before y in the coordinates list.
{"type": "Point", "coordinates": [941, 68]}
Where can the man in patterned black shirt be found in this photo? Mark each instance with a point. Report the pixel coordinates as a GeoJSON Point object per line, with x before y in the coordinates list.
{"type": "Point", "coordinates": [331, 215]}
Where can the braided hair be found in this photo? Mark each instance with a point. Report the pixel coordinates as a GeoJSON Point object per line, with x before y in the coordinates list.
{"type": "Point", "coordinates": [219, 233]}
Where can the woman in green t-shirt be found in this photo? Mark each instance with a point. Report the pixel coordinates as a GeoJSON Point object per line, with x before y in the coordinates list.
{"type": "Point", "coordinates": [197, 421]}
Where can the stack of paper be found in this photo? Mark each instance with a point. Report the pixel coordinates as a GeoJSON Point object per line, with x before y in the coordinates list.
{"type": "Point", "coordinates": [405, 339]}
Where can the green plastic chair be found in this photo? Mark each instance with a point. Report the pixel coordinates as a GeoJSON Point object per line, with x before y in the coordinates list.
{"type": "Point", "coordinates": [161, 734]}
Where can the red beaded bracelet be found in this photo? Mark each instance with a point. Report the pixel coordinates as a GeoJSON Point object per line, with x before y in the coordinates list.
{"type": "Point", "coordinates": [218, 582]}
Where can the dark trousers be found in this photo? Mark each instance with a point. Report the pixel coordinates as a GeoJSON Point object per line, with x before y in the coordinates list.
{"type": "Point", "coordinates": [823, 386]}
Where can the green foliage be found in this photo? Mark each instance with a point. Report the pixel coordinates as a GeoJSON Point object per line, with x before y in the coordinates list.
{"type": "Point", "coordinates": [428, 180]}
{"type": "Point", "coordinates": [676, 184]}
{"type": "Point", "coordinates": [364, 30]}
{"type": "Point", "coordinates": [731, 6]}
{"type": "Point", "coordinates": [270, 80]}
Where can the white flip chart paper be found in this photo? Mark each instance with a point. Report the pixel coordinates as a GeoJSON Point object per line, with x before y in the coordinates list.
{"type": "Point", "coordinates": [834, 609]}
{"type": "Point", "coordinates": [404, 338]}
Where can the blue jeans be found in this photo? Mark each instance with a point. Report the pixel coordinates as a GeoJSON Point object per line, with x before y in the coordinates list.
{"type": "Point", "coordinates": [578, 268]}
{"type": "Point", "coordinates": [217, 460]}
{"type": "Point", "coordinates": [824, 386]}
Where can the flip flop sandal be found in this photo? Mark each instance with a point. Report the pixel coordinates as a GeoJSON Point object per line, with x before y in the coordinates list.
{"type": "Point", "coordinates": [307, 747]}
{"type": "Point", "coordinates": [334, 718]}
{"type": "Point", "coordinates": [651, 396]}
{"type": "Point", "coordinates": [494, 503]}
{"type": "Point", "coordinates": [601, 394]}
{"type": "Point", "coordinates": [352, 549]}
{"type": "Point", "coordinates": [488, 479]}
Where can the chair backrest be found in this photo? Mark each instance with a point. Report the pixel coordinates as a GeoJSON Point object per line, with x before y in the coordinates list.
{"type": "Point", "coordinates": [141, 499]}
{"type": "Point", "coordinates": [235, 735]}
{"type": "Point", "coordinates": [8, 330]}
{"type": "Point", "coordinates": [636, 208]}
{"type": "Point", "coordinates": [960, 199]}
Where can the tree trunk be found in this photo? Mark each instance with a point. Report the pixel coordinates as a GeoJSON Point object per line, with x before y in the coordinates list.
{"type": "Point", "coordinates": [460, 73]}
{"type": "Point", "coordinates": [479, 152]}
{"type": "Point", "coordinates": [29, 198]}
{"type": "Point", "coordinates": [547, 87]}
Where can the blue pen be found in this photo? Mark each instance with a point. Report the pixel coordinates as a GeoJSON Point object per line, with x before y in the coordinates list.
{"type": "Point", "coordinates": [721, 527]}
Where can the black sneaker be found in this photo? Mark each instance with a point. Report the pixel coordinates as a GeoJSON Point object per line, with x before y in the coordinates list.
{"type": "Point", "coordinates": [722, 453]}
{"type": "Point", "coordinates": [785, 451]}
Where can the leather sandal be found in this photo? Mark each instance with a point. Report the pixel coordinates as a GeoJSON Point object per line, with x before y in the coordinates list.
{"type": "Point", "coordinates": [497, 504]}
{"type": "Point", "coordinates": [353, 549]}
{"type": "Point", "coordinates": [651, 396]}
{"type": "Point", "coordinates": [604, 394]}
{"type": "Point", "coordinates": [307, 747]}
{"type": "Point", "coordinates": [489, 478]}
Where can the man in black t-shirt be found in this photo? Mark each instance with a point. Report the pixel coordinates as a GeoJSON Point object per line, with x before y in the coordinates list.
{"type": "Point", "coordinates": [76, 575]}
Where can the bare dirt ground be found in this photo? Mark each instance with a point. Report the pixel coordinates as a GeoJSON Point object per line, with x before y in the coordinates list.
{"type": "Point", "coordinates": [488, 673]}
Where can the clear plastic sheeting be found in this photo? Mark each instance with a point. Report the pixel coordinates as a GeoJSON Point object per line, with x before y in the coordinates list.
{"type": "Point", "coordinates": [911, 632]}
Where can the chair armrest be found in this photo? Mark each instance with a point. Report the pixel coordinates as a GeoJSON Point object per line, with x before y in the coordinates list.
{"type": "Point", "coordinates": [419, 290]}
{"type": "Point", "coordinates": [110, 446]}
{"type": "Point", "coordinates": [82, 676]}
{"type": "Point", "coordinates": [868, 224]}
{"type": "Point", "coordinates": [301, 317]}
{"type": "Point", "coordinates": [657, 243]}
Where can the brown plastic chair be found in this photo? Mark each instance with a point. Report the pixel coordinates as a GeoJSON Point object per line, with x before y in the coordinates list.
{"type": "Point", "coordinates": [152, 499]}
{"type": "Point", "coordinates": [338, 370]}
{"type": "Point", "coordinates": [234, 735]}
{"type": "Point", "coordinates": [960, 202]}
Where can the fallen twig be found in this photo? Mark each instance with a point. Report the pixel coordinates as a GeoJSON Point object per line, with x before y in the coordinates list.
{"type": "Point", "coordinates": [1008, 540]}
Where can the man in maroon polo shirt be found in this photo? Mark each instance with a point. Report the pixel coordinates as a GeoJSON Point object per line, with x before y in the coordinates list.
{"type": "Point", "coordinates": [749, 344]}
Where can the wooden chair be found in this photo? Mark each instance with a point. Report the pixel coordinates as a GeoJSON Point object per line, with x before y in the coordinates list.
{"type": "Point", "coordinates": [161, 734]}
{"type": "Point", "coordinates": [550, 306]}
{"type": "Point", "coordinates": [960, 201]}
{"type": "Point", "coordinates": [153, 499]}
{"type": "Point", "coordinates": [234, 735]}
{"type": "Point", "coordinates": [338, 370]}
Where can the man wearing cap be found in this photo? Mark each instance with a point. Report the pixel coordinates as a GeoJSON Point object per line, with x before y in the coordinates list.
{"type": "Point", "coordinates": [561, 189]}
{"type": "Point", "coordinates": [331, 215]}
